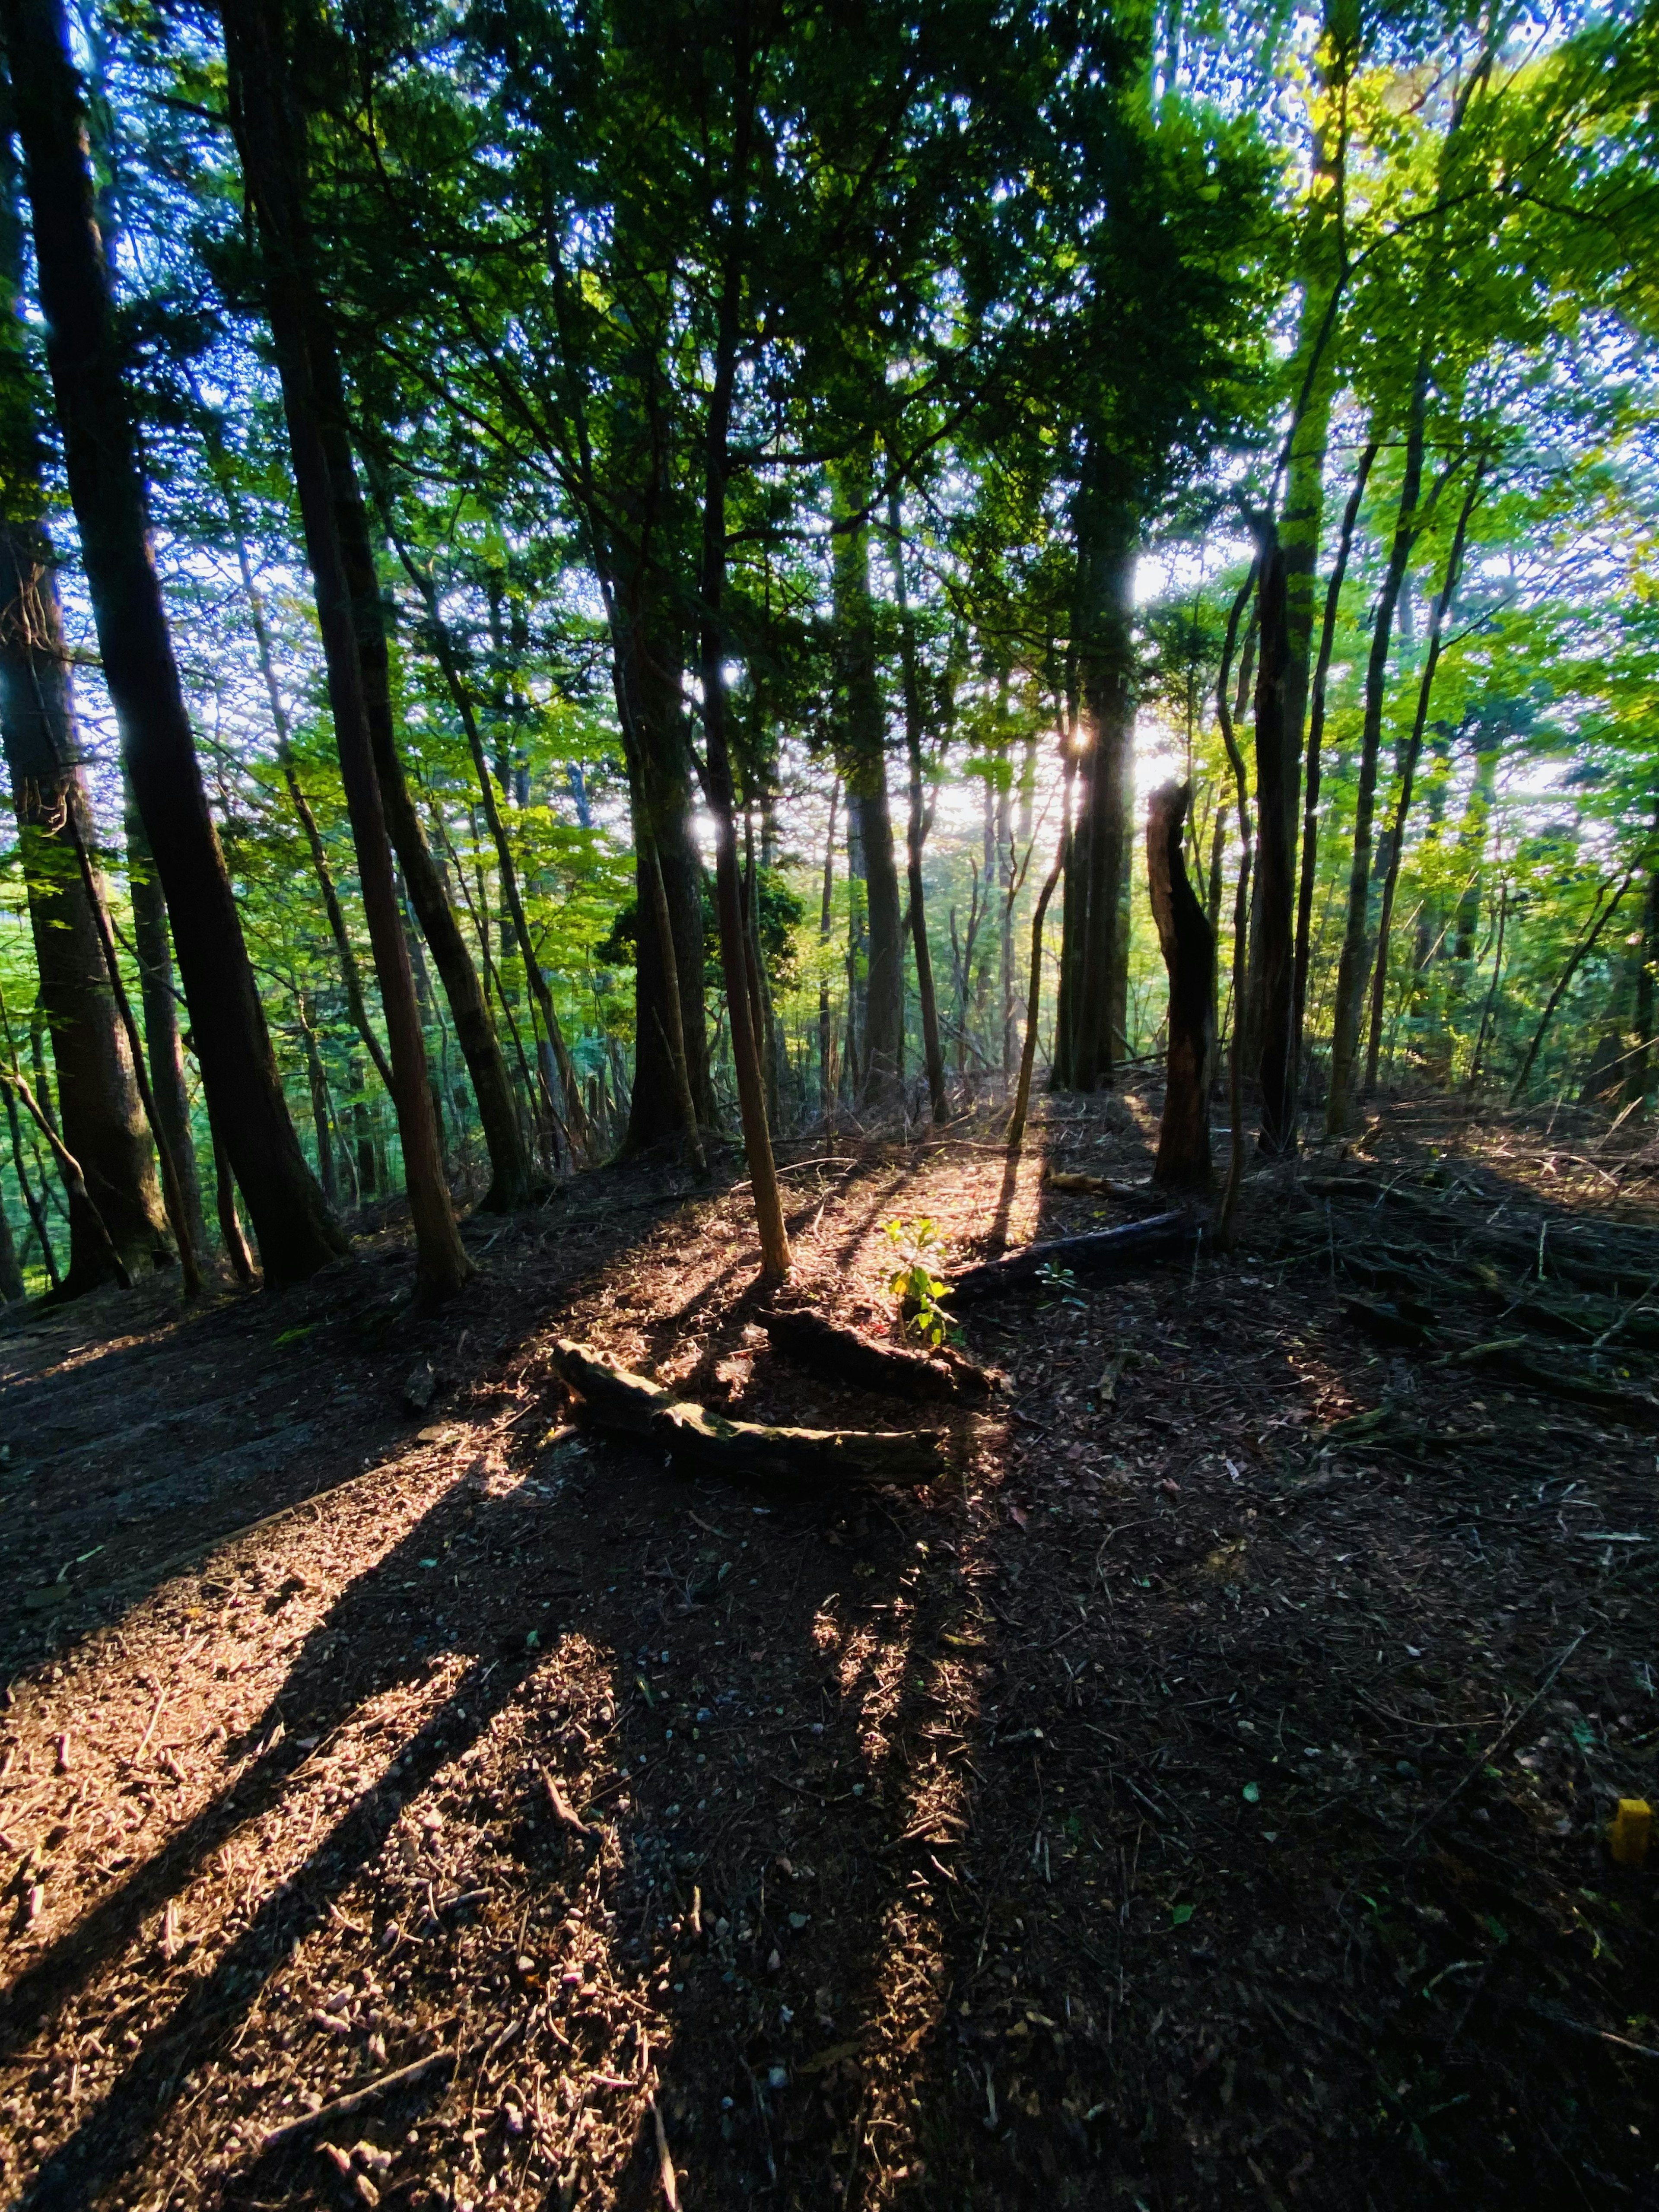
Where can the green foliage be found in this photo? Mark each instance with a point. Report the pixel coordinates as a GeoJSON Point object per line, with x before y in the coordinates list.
{"type": "Point", "coordinates": [919, 1290]}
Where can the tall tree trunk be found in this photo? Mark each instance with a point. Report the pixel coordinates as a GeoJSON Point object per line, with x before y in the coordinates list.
{"type": "Point", "coordinates": [916, 825]}
{"type": "Point", "coordinates": [153, 945]}
{"type": "Point", "coordinates": [1188, 947]}
{"type": "Point", "coordinates": [1273, 964]}
{"type": "Point", "coordinates": [1314, 364]}
{"type": "Point", "coordinates": [1108, 537]}
{"type": "Point", "coordinates": [1407, 774]}
{"type": "Point", "coordinates": [1351, 965]}
{"type": "Point", "coordinates": [718, 789]}
{"type": "Point", "coordinates": [12, 1286]}
{"type": "Point", "coordinates": [97, 1098]}
{"type": "Point", "coordinates": [1315, 748]}
{"type": "Point", "coordinates": [270, 138]}
{"type": "Point", "coordinates": [826, 1031]}
{"type": "Point", "coordinates": [864, 768]}
{"type": "Point", "coordinates": [647, 663]}
{"type": "Point", "coordinates": [295, 1233]}
{"type": "Point", "coordinates": [99, 1103]}
{"type": "Point", "coordinates": [33, 1203]}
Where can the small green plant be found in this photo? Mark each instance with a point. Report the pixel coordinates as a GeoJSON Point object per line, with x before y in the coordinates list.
{"type": "Point", "coordinates": [913, 1282]}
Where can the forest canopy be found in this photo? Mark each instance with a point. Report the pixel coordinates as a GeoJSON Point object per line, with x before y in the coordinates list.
{"type": "Point", "coordinates": [580, 581]}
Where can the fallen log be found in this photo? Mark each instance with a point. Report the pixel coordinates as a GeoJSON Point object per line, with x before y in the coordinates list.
{"type": "Point", "coordinates": [843, 1355]}
{"type": "Point", "coordinates": [1099, 1185]}
{"type": "Point", "coordinates": [747, 1451]}
{"type": "Point", "coordinates": [1097, 1251]}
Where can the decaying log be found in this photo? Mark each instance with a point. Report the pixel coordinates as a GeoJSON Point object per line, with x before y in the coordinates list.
{"type": "Point", "coordinates": [841, 1355]}
{"type": "Point", "coordinates": [1098, 1250]}
{"type": "Point", "coordinates": [747, 1451]}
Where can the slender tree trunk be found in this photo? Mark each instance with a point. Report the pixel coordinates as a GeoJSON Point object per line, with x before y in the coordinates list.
{"type": "Point", "coordinates": [153, 945]}
{"type": "Point", "coordinates": [718, 785]}
{"type": "Point", "coordinates": [1276, 790]}
{"type": "Point", "coordinates": [1407, 775]}
{"type": "Point", "coordinates": [230, 1226]}
{"type": "Point", "coordinates": [12, 1286]}
{"type": "Point", "coordinates": [1033, 1007]}
{"type": "Point", "coordinates": [233, 1044]}
{"type": "Point", "coordinates": [1188, 947]}
{"type": "Point", "coordinates": [33, 1203]}
{"type": "Point", "coordinates": [1315, 748]}
{"type": "Point", "coordinates": [669, 876]}
{"type": "Point", "coordinates": [826, 1033]}
{"type": "Point", "coordinates": [916, 827]}
{"type": "Point", "coordinates": [864, 767]}
{"type": "Point", "coordinates": [1605, 909]}
{"type": "Point", "coordinates": [575, 1114]}
{"type": "Point", "coordinates": [81, 1200]}
{"type": "Point", "coordinates": [1351, 965]}
{"type": "Point", "coordinates": [271, 138]}
{"type": "Point", "coordinates": [1108, 536]}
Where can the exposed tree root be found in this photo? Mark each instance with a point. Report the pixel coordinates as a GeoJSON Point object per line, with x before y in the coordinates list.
{"type": "Point", "coordinates": [747, 1451]}
{"type": "Point", "coordinates": [843, 1355]}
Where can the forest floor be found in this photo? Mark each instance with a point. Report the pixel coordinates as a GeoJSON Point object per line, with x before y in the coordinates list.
{"type": "Point", "coordinates": [1195, 1798]}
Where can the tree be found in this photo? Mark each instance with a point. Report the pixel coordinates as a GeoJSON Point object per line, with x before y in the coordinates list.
{"type": "Point", "coordinates": [295, 1233]}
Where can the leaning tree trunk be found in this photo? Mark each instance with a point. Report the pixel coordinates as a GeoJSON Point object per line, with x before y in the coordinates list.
{"type": "Point", "coordinates": [295, 1231]}
{"type": "Point", "coordinates": [864, 763]}
{"type": "Point", "coordinates": [1273, 964]}
{"type": "Point", "coordinates": [272, 149]}
{"type": "Point", "coordinates": [1188, 946]}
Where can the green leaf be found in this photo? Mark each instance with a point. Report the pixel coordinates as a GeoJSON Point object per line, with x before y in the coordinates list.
{"type": "Point", "coordinates": [1181, 1914]}
{"type": "Point", "coordinates": [1252, 1793]}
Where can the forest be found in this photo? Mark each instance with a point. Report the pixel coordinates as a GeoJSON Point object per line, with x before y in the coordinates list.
{"type": "Point", "coordinates": [957, 699]}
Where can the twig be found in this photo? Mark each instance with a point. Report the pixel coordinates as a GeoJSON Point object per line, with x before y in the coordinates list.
{"type": "Point", "coordinates": [1493, 1747]}
{"type": "Point", "coordinates": [671, 2190]}
{"type": "Point", "coordinates": [400, 2077]}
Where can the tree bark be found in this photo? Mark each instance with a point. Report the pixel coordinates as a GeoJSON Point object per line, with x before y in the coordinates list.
{"type": "Point", "coordinates": [1273, 963]}
{"type": "Point", "coordinates": [1188, 946]}
{"type": "Point", "coordinates": [98, 1100]}
{"type": "Point", "coordinates": [106, 487]}
{"type": "Point", "coordinates": [716, 766]}
{"type": "Point", "coordinates": [827, 1070]}
{"type": "Point", "coordinates": [271, 138]}
{"type": "Point", "coordinates": [669, 878]}
{"type": "Point", "coordinates": [37, 722]}
{"type": "Point", "coordinates": [864, 768]}
{"type": "Point", "coordinates": [916, 826]}
{"type": "Point", "coordinates": [1108, 536]}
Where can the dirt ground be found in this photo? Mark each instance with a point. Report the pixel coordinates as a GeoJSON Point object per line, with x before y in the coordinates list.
{"type": "Point", "coordinates": [1199, 1797]}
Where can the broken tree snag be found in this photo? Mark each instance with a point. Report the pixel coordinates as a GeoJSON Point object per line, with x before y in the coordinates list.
{"type": "Point", "coordinates": [1189, 943]}
{"type": "Point", "coordinates": [843, 1355]}
{"type": "Point", "coordinates": [746, 1451]}
{"type": "Point", "coordinates": [1098, 1250]}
